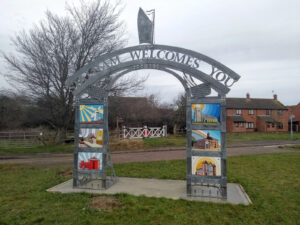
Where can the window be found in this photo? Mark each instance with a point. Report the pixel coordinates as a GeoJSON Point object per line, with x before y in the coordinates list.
{"type": "Point", "coordinates": [279, 112]}
{"type": "Point", "coordinates": [249, 125]}
{"type": "Point", "coordinates": [236, 124]}
{"type": "Point", "coordinates": [238, 112]}
{"type": "Point", "coordinates": [268, 112]}
{"type": "Point", "coordinates": [241, 124]}
{"type": "Point", "coordinates": [279, 125]}
{"type": "Point", "coordinates": [251, 111]}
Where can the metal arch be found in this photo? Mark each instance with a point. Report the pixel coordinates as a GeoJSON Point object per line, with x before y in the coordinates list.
{"type": "Point", "coordinates": [181, 80]}
{"type": "Point", "coordinates": [221, 89]}
{"type": "Point", "coordinates": [179, 66]}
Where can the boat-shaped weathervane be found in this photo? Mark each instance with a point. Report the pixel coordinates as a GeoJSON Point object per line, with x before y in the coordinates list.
{"type": "Point", "coordinates": [146, 26]}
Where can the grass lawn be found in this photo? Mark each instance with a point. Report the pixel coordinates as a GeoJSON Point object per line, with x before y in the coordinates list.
{"type": "Point", "coordinates": [271, 180]}
{"type": "Point", "coordinates": [132, 144]}
{"type": "Point", "coordinates": [63, 148]}
{"type": "Point", "coordinates": [233, 138]}
{"type": "Point", "coordinates": [115, 145]}
{"type": "Point", "coordinates": [291, 147]}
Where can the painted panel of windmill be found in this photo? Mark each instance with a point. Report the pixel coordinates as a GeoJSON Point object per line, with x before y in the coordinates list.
{"type": "Point", "coordinates": [91, 114]}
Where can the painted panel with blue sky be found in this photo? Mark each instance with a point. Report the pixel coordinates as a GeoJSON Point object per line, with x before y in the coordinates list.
{"type": "Point", "coordinates": [206, 114]}
{"type": "Point", "coordinates": [90, 114]}
{"type": "Point", "coordinates": [206, 140]}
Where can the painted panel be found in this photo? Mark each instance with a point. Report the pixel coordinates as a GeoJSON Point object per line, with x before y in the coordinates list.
{"type": "Point", "coordinates": [206, 140]}
{"type": "Point", "coordinates": [91, 114]}
{"type": "Point", "coordinates": [90, 138]}
{"type": "Point", "coordinates": [208, 114]}
{"type": "Point", "coordinates": [206, 166]}
{"type": "Point", "coordinates": [89, 161]}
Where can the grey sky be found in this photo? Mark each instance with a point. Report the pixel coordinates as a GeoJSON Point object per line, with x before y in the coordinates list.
{"type": "Point", "coordinates": [260, 40]}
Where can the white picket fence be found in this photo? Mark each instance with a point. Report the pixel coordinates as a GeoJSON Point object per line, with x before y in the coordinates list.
{"type": "Point", "coordinates": [144, 132]}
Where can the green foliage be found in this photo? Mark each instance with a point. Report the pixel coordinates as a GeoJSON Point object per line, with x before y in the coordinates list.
{"type": "Point", "coordinates": [271, 181]}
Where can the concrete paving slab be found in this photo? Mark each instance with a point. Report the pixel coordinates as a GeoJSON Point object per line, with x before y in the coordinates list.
{"type": "Point", "coordinates": [172, 189]}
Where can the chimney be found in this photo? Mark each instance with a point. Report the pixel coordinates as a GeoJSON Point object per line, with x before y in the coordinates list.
{"type": "Point", "coordinates": [275, 97]}
{"type": "Point", "coordinates": [248, 96]}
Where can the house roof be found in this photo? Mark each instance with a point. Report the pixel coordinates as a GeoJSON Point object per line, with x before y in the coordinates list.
{"type": "Point", "coordinates": [237, 118]}
{"type": "Point", "coordinates": [268, 119]}
{"type": "Point", "coordinates": [253, 103]}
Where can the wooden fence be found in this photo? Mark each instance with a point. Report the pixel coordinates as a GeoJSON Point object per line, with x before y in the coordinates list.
{"type": "Point", "coordinates": [29, 139]}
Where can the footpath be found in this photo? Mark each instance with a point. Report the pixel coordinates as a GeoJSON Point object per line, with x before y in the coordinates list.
{"type": "Point", "coordinates": [157, 154]}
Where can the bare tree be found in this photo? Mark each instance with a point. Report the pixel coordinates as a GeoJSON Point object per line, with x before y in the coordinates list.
{"type": "Point", "coordinates": [58, 46]}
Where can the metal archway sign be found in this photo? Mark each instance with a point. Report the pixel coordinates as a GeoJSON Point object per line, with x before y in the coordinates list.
{"type": "Point", "coordinates": [205, 115]}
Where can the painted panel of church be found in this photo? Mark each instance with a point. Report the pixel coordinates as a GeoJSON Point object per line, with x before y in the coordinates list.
{"type": "Point", "coordinates": [90, 138]}
{"type": "Point", "coordinates": [208, 114]}
{"type": "Point", "coordinates": [206, 166]}
{"type": "Point", "coordinates": [91, 114]}
{"type": "Point", "coordinates": [206, 140]}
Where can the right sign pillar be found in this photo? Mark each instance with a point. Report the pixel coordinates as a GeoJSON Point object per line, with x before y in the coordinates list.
{"type": "Point", "coordinates": [206, 150]}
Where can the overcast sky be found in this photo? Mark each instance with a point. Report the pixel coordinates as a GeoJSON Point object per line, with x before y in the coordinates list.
{"type": "Point", "coordinates": [260, 40]}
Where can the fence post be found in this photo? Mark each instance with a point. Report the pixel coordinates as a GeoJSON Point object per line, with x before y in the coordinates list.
{"type": "Point", "coordinates": [124, 130]}
{"type": "Point", "coordinates": [165, 133]}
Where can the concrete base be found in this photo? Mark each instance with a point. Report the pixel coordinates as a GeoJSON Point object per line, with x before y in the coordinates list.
{"type": "Point", "coordinates": [173, 189]}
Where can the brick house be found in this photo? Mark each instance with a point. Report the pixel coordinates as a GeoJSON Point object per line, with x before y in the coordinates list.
{"type": "Point", "coordinates": [256, 115]}
{"type": "Point", "coordinates": [295, 110]}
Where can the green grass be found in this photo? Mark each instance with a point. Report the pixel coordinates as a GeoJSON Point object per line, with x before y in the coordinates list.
{"type": "Point", "coordinates": [63, 148]}
{"type": "Point", "coordinates": [170, 141]}
{"type": "Point", "coordinates": [116, 145]}
{"type": "Point", "coordinates": [233, 138]}
{"type": "Point", "coordinates": [271, 181]}
{"type": "Point", "coordinates": [132, 144]}
{"type": "Point", "coordinates": [291, 147]}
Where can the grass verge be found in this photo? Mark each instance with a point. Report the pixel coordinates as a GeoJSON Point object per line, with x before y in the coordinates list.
{"type": "Point", "coordinates": [235, 138]}
{"type": "Point", "coordinates": [115, 145]}
{"type": "Point", "coordinates": [133, 144]}
{"type": "Point", "coordinates": [271, 181]}
{"type": "Point", "coordinates": [291, 147]}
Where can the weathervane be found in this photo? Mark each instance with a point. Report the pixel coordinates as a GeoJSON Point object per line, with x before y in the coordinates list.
{"type": "Point", "coordinates": [146, 26]}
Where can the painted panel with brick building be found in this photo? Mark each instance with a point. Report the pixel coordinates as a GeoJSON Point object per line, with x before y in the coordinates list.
{"type": "Point", "coordinates": [256, 115]}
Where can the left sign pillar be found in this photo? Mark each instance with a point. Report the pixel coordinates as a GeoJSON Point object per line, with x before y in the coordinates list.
{"type": "Point", "coordinates": [93, 168]}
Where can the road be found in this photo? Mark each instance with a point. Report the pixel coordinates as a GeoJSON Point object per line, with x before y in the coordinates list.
{"type": "Point", "coordinates": [62, 160]}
